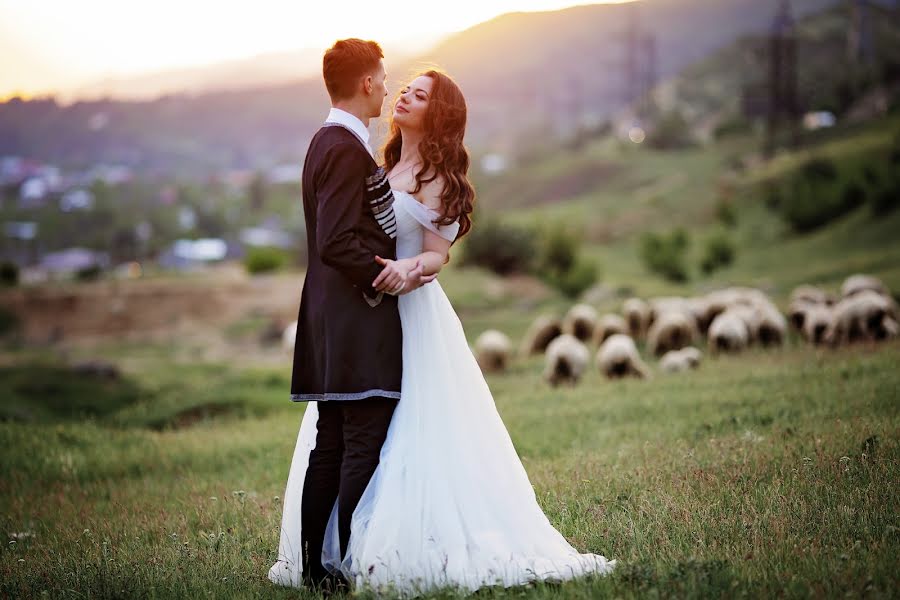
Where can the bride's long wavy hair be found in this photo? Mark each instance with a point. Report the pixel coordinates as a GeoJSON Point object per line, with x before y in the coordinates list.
{"type": "Point", "coordinates": [442, 150]}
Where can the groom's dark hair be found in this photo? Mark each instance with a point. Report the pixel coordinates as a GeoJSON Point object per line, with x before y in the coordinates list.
{"type": "Point", "coordinates": [347, 61]}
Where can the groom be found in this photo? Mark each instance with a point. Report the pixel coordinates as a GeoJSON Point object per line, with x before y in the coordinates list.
{"type": "Point", "coordinates": [347, 356]}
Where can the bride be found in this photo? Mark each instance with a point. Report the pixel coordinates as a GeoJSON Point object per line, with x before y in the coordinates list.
{"type": "Point", "coordinates": [450, 504]}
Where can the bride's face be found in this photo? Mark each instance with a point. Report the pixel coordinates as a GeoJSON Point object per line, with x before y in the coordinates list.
{"type": "Point", "coordinates": [411, 106]}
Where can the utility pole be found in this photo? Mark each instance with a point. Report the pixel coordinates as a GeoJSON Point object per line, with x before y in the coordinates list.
{"type": "Point", "coordinates": [632, 54]}
{"type": "Point", "coordinates": [649, 79]}
{"type": "Point", "coordinates": [860, 42]}
{"type": "Point", "coordinates": [783, 103]}
{"type": "Point", "coordinates": [639, 63]}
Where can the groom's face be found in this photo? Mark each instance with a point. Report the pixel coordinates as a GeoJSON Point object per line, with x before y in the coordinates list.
{"type": "Point", "coordinates": [378, 90]}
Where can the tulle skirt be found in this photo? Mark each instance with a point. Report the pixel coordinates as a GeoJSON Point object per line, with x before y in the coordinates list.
{"type": "Point", "coordinates": [450, 504]}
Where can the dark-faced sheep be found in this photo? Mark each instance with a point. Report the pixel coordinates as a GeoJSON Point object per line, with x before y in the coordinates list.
{"type": "Point", "coordinates": [492, 350]}
{"type": "Point", "coordinates": [864, 316]}
{"type": "Point", "coordinates": [703, 311]}
{"type": "Point", "coordinates": [618, 357]}
{"type": "Point", "coordinates": [798, 310]}
{"type": "Point", "coordinates": [728, 333]}
{"type": "Point", "coordinates": [566, 360]}
{"type": "Point", "coordinates": [542, 331]}
{"type": "Point", "coordinates": [671, 331]}
{"type": "Point", "coordinates": [816, 321]}
{"type": "Point", "coordinates": [610, 324]}
{"type": "Point", "coordinates": [772, 326]}
{"type": "Point", "coordinates": [581, 321]}
{"type": "Point", "coordinates": [637, 315]}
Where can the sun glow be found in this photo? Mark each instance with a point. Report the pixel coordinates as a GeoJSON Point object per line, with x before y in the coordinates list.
{"type": "Point", "coordinates": [58, 43]}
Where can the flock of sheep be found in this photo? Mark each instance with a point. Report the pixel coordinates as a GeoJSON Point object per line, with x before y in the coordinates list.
{"type": "Point", "coordinates": [731, 320]}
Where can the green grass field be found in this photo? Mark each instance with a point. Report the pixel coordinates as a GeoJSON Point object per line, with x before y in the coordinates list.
{"type": "Point", "coordinates": [770, 474]}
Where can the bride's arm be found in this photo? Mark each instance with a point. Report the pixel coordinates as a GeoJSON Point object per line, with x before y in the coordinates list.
{"type": "Point", "coordinates": [433, 256]}
{"type": "Point", "coordinates": [434, 247]}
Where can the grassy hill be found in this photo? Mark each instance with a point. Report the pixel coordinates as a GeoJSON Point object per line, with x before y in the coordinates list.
{"type": "Point", "coordinates": [610, 194]}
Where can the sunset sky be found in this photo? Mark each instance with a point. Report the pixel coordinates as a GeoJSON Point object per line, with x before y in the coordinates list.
{"type": "Point", "coordinates": [61, 44]}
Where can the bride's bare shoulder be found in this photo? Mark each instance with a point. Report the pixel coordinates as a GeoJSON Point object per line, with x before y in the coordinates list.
{"type": "Point", "coordinates": [430, 194]}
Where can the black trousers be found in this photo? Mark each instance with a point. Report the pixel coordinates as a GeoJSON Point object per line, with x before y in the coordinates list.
{"type": "Point", "coordinates": [348, 442]}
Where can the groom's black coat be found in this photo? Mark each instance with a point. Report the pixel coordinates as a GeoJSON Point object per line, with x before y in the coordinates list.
{"type": "Point", "coordinates": [345, 349]}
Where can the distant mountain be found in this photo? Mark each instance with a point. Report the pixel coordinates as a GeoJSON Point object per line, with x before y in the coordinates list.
{"type": "Point", "coordinates": [263, 70]}
{"type": "Point", "coordinates": [254, 72]}
{"type": "Point", "coordinates": [518, 71]}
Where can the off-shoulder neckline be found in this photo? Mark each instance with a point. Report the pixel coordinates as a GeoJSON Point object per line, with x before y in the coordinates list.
{"type": "Point", "coordinates": [416, 200]}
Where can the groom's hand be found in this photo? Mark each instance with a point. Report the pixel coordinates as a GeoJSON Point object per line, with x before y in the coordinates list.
{"type": "Point", "coordinates": [392, 278]}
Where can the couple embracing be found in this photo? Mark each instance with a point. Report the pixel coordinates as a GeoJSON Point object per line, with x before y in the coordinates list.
{"type": "Point", "coordinates": [404, 478]}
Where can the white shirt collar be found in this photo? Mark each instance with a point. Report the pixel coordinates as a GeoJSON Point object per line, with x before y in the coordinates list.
{"type": "Point", "coordinates": [336, 115]}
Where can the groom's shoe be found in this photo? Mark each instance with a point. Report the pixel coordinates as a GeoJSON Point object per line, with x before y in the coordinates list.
{"type": "Point", "coordinates": [328, 585]}
{"type": "Point", "coordinates": [335, 585]}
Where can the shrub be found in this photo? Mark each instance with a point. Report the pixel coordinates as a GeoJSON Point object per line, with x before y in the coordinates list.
{"type": "Point", "coordinates": [670, 131]}
{"type": "Point", "coordinates": [736, 125]}
{"type": "Point", "coordinates": [578, 278]}
{"type": "Point", "coordinates": [91, 273]}
{"type": "Point", "coordinates": [719, 252]}
{"type": "Point", "coordinates": [264, 259]}
{"type": "Point", "coordinates": [559, 250]}
{"type": "Point", "coordinates": [9, 274]}
{"type": "Point", "coordinates": [552, 254]}
{"type": "Point", "coordinates": [814, 197]}
{"type": "Point", "coordinates": [664, 254]}
{"type": "Point", "coordinates": [772, 195]}
{"type": "Point", "coordinates": [499, 247]}
{"type": "Point", "coordinates": [725, 212]}
{"type": "Point", "coordinates": [9, 321]}
{"type": "Point", "coordinates": [560, 265]}
{"type": "Point", "coordinates": [886, 197]}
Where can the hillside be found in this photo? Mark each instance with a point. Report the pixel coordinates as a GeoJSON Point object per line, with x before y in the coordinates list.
{"type": "Point", "coordinates": [827, 80]}
{"type": "Point", "coordinates": [515, 69]}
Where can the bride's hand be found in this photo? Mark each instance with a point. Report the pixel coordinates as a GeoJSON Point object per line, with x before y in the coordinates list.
{"type": "Point", "coordinates": [416, 278]}
{"type": "Point", "coordinates": [393, 276]}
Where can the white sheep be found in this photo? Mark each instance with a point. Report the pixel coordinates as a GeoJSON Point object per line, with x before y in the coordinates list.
{"type": "Point", "coordinates": [542, 331]}
{"type": "Point", "coordinates": [618, 357]}
{"type": "Point", "coordinates": [798, 310]}
{"type": "Point", "coordinates": [492, 350]}
{"type": "Point", "coordinates": [811, 295]}
{"type": "Point", "coordinates": [858, 283]}
{"type": "Point", "coordinates": [728, 332]}
{"type": "Point", "coordinates": [566, 360]}
{"type": "Point", "coordinates": [581, 321]}
{"type": "Point", "coordinates": [817, 319]}
{"type": "Point", "coordinates": [865, 315]}
{"type": "Point", "coordinates": [721, 300]}
{"type": "Point", "coordinates": [772, 327]}
{"type": "Point", "coordinates": [703, 311]}
{"type": "Point", "coordinates": [665, 304]}
{"type": "Point", "coordinates": [610, 324]}
{"type": "Point", "coordinates": [676, 361]}
{"type": "Point", "coordinates": [637, 315]}
{"type": "Point", "coordinates": [671, 331]}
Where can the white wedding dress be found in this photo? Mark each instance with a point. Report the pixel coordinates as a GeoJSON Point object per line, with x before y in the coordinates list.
{"type": "Point", "coordinates": [450, 504]}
